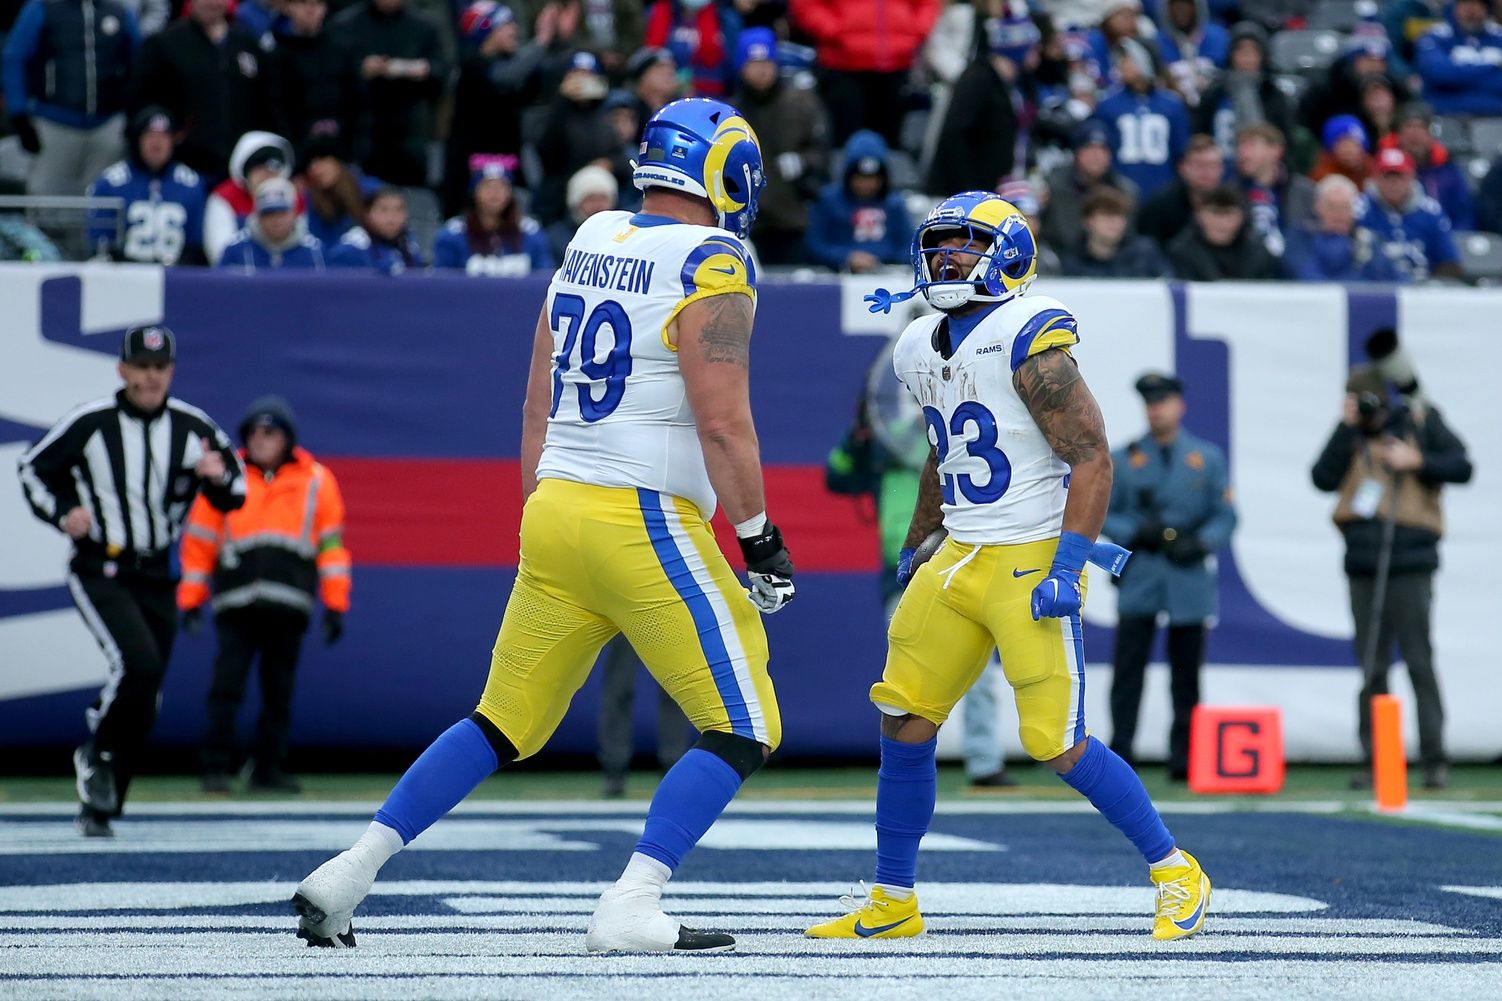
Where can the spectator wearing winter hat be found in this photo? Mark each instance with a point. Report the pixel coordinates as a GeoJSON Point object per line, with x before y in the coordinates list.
{"type": "Point", "coordinates": [1339, 92]}
{"type": "Point", "coordinates": [312, 73]}
{"type": "Point", "coordinates": [257, 157]}
{"type": "Point", "coordinates": [653, 80]}
{"type": "Point", "coordinates": [1069, 184]}
{"type": "Point", "coordinates": [789, 121]}
{"type": "Point", "coordinates": [336, 192]}
{"type": "Point", "coordinates": [275, 236]}
{"type": "Point", "coordinates": [1440, 176]}
{"type": "Point", "coordinates": [573, 132]}
{"type": "Point", "coordinates": [865, 52]}
{"type": "Point", "coordinates": [1149, 124]}
{"type": "Point", "coordinates": [499, 77]}
{"type": "Point", "coordinates": [1410, 226]}
{"type": "Point", "coordinates": [1332, 247]}
{"type": "Point", "coordinates": [985, 128]}
{"type": "Point", "coordinates": [1191, 46]}
{"type": "Point", "coordinates": [1460, 61]}
{"type": "Point", "coordinates": [492, 238]}
{"type": "Point", "coordinates": [383, 244]}
{"type": "Point", "coordinates": [1220, 244]}
{"type": "Point", "coordinates": [1119, 20]}
{"type": "Point", "coordinates": [858, 224]}
{"type": "Point", "coordinates": [161, 219]}
{"type": "Point", "coordinates": [1109, 249]}
{"type": "Point", "coordinates": [591, 190]}
{"type": "Point", "coordinates": [400, 55]}
{"type": "Point", "coordinates": [1347, 151]}
{"type": "Point", "coordinates": [701, 36]}
{"type": "Point", "coordinates": [1245, 93]}
{"type": "Point", "coordinates": [1278, 200]}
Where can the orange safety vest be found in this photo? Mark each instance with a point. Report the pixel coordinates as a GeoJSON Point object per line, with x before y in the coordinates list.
{"type": "Point", "coordinates": [287, 537]}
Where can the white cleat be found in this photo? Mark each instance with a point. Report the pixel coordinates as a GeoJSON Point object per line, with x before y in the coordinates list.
{"type": "Point", "coordinates": [325, 901]}
{"type": "Point", "coordinates": [631, 920]}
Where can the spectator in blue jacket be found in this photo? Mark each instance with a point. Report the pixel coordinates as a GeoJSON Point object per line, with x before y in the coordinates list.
{"type": "Point", "coordinates": [1460, 62]}
{"type": "Point", "coordinates": [275, 236]}
{"type": "Point", "coordinates": [1191, 45]}
{"type": "Point", "coordinates": [1149, 124]}
{"type": "Point", "coordinates": [859, 223]}
{"type": "Point", "coordinates": [161, 218]}
{"type": "Point", "coordinates": [492, 237]}
{"type": "Point", "coordinates": [67, 68]}
{"type": "Point", "coordinates": [383, 244]}
{"type": "Point", "coordinates": [1412, 228]}
{"type": "Point", "coordinates": [1334, 248]}
{"type": "Point", "coordinates": [1440, 176]}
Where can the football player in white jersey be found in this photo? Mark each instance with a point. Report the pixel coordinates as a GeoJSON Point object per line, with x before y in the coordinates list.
{"type": "Point", "coordinates": [1020, 477]}
{"type": "Point", "coordinates": [637, 423]}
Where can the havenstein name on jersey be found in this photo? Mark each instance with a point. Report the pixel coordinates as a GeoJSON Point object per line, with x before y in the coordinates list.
{"type": "Point", "coordinates": [607, 271]}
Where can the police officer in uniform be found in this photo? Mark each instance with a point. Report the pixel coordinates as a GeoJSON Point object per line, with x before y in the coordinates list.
{"type": "Point", "coordinates": [1170, 504]}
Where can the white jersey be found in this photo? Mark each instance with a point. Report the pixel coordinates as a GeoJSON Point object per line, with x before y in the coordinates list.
{"type": "Point", "coordinates": [620, 415]}
{"type": "Point", "coordinates": [1000, 478]}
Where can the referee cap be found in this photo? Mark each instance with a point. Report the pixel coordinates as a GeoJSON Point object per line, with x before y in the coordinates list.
{"type": "Point", "coordinates": [153, 344]}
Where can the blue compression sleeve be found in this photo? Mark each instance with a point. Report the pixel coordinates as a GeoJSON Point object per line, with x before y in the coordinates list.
{"type": "Point", "coordinates": [690, 798]}
{"type": "Point", "coordinates": [460, 759]}
{"type": "Point", "coordinates": [1111, 786]}
{"type": "Point", "coordinates": [906, 788]}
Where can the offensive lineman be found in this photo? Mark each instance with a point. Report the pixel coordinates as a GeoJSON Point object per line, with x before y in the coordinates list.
{"type": "Point", "coordinates": [637, 419]}
{"type": "Point", "coordinates": [1020, 477]}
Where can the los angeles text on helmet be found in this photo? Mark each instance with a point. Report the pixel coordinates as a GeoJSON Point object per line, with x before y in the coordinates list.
{"type": "Point", "coordinates": [624, 274]}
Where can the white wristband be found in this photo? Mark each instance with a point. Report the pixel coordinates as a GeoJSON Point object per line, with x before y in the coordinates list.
{"type": "Point", "coordinates": [752, 526]}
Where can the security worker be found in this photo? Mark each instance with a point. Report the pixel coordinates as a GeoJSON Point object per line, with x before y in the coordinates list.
{"type": "Point", "coordinates": [263, 563]}
{"type": "Point", "coordinates": [1170, 504]}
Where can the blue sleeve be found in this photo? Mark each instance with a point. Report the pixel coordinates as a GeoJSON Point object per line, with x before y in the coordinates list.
{"type": "Point", "coordinates": [1299, 259]}
{"type": "Point", "coordinates": [1215, 531]}
{"type": "Point", "coordinates": [1436, 67]}
{"type": "Point", "coordinates": [449, 250]}
{"type": "Point", "coordinates": [101, 226]}
{"type": "Point", "coordinates": [824, 240]}
{"type": "Point", "coordinates": [233, 256]}
{"type": "Point", "coordinates": [1440, 245]}
{"type": "Point", "coordinates": [1167, 51]}
{"type": "Point", "coordinates": [20, 47]}
{"type": "Point", "coordinates": [536, 243]}
{"type": "Point", "coordinates": [1216, 46]}
{"type": "Point", "coordinates": [899, 232]}
{"type": "Point", "coordinates": [344, 255]}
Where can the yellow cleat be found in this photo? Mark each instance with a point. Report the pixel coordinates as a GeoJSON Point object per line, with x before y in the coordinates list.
{"type": "Point", "coordinates": [878, 916]}
{"type": "Point", "coordinates": [1183, 899]}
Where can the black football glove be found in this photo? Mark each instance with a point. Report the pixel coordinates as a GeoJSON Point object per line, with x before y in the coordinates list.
{"type": "Point", "coordinates": [193, 620]}
{"type": "Point", "coordinates": [333, 627]}
{"type": "Point", "coordinates": [769, 570]}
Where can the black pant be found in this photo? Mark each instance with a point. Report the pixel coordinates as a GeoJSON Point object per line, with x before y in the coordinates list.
{"type": "Point", "coordinates": [863, 100]}
{"type": "Point", "coordinates": [276, 634]}
{"type": "Point", "coordinates": [1405, 619]}
{"type": "Point", "coordinates": [617, 743]}
{"type": "Point", "coordinates": [134, 620]}
{"type": "Point", "coordinates": [1186, 654]}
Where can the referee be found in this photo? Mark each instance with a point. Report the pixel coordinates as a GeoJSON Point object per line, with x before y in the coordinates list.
{"type": "Point", "coordinates": [118, 475]}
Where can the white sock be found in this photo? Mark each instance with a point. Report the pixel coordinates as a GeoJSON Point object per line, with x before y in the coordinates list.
{"type": "Point", "coordinates": [377, 844]}
{"type": "Point", "coordinates": [1177, 858]}
{"type": "Point", "coordinates": [644, 872]}
{"type": "Point", "coordinates": [895, 892]}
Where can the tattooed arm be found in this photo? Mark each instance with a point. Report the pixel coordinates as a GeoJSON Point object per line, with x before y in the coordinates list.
{"type": "Point", "coordinates": [928, 515]}
{"type": "Point", "coordinates": [713, 336]}
{"type": "Point", "coordinates": [1056, 395]}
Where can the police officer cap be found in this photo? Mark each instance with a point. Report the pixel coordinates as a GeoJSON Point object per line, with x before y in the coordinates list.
{"type": "Point", "coordinates": [1155, 386]}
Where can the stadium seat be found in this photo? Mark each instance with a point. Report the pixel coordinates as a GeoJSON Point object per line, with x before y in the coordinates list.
{"type": "Point", "coordinates": [902, 170]}
{"type": "Point", "coordinates": [1304, 51]}
{"type": "Point", "coordinates": [1486, 136]}
{"type": "Point", "coordinates": [424, 216]}
{"type": "Point", "coordinates": [1333, 15]}
{"type": "Point", "coordinates": [1292, 85]}
{"type": "Point", "coordinates": [1480, 256]}
{"type": "Point", "coordinates": [1476, 169]}
{"type": "Point", "coordinates": [1454, 133]}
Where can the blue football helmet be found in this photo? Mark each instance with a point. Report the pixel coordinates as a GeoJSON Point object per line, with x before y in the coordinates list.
{"type": "Point", "coordinates": [705, 148]}
{"type": "Point", "coordinates": [996, 231]}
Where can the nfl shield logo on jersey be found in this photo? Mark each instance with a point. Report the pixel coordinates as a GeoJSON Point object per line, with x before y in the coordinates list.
{"type": "Point", "coordinates": [945, 373]}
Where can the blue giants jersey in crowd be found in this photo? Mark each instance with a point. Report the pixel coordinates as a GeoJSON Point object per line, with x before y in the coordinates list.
{"type": "Point", "coordinates": [1415, 236]}
{"type": "Point", "coordinates": [162, 218]}
{"type": "Point", "coordinates": [356, 249]}
{"type": "Point", "coordinates": [498, 258]}
{"type": "Point", "coordinates": [1149, 132]}
{"type": "Point", "coordinates": [246, 254]}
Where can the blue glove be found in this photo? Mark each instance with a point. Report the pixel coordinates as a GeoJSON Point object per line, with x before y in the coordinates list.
{"type": "Point", "coordinates": [1058, 596]}
{"type": "Point", "coordinates": [905, 566]}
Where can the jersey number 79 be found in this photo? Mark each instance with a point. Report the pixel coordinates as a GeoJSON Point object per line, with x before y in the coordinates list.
{"type": "Point", "coordinates": [585, 332]}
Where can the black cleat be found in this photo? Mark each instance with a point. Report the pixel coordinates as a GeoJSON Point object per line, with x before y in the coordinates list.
{"type": "Point", "coordinates": [92, 825]}
{"type": "Point", "coordinates": [95, 775]}
{"type": "Point", "coordinates": [690, 940]}
{"type": "Point", "coordinates": [312, 915]}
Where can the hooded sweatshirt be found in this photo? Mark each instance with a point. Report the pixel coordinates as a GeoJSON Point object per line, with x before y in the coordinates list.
{"type": "Point", "coordinates": [251, 251]}
{"type": "Point", "coordinates": [840, 223]}
{"type": "Point", "coordinates": [232, 202]}
{"type": "Point", "coordinates": [162, 214]}
{"type": "Point", "coordinates": [1239, 99]}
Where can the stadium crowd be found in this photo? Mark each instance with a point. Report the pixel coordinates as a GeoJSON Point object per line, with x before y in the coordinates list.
{"type": "Point", "coordinates": [1200, 139]}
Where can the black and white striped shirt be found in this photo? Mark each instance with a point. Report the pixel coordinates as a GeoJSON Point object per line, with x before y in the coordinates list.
{"type": "Point", "coordinates": [133, 472]}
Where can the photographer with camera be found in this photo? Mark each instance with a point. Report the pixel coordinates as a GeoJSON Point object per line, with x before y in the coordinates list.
{"type": "Point", "coordinates": [1388, 459]}
{"type": "Point", "coordinates": [1171, 506]}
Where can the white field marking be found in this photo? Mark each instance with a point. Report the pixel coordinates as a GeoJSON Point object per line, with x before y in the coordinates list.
{"type": "Point", "coordinates": [739, 922]}
{"type": "Point", "coordinates": [1000, 804]}
{"type": "Point", "coordinates": [1448, 817]}
{"type": "Point", "coordinates": [1494, 892]}
{"type": "Point", "coordinates": [458, 835]}
{"type": "Point", "coordinates": [765, 898]}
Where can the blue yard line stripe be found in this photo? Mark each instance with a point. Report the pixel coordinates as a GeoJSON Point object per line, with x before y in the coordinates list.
{"type": "Point", "coordinates": [1079, 673]}
{"type": "Point", "coordinates": [708, 626]}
